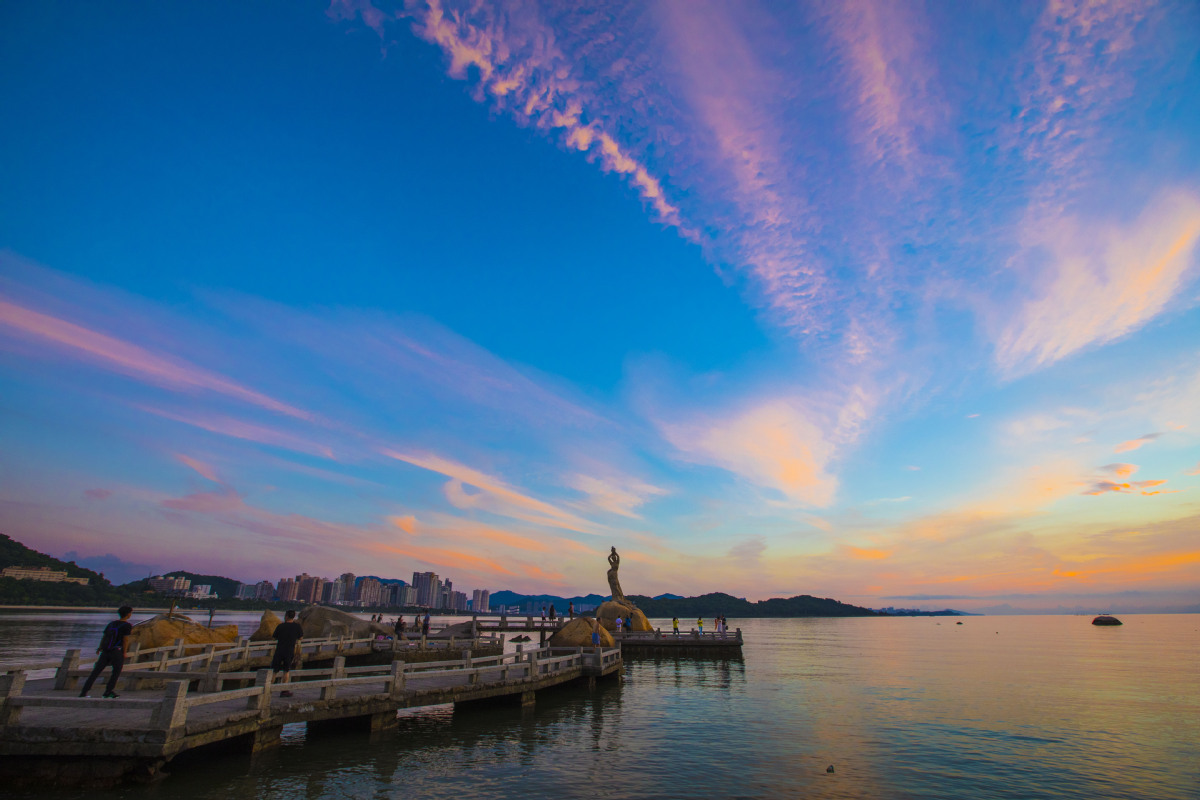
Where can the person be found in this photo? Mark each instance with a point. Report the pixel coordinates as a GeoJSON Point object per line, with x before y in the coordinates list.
{"type": "Point", "coordinates": [571, 610]}
{"type": "Point", "coordinates": [620, 624]}
{"type": "Point", "coordinates": [543, 613]}
{"type": "Point", "coordinates": [700, 624]}
{"type": "Point", "coordinates": [553, 612]}
{"type": "Point", "coordinates": [288, 635]}
{"type": "Point", "coordinates": [111, 652]}
{"type": "Point", "coordinates": [399, 626]}
{"type": "Point", "coordinates": [596, 632]}
{"type": "Point", "coordinates": [675, 625]}
{"type": "Point", "coordinates": [425, 625]}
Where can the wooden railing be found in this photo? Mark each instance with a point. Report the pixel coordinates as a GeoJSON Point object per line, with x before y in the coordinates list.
{"type": "Point", "coordinates": [171, 710]}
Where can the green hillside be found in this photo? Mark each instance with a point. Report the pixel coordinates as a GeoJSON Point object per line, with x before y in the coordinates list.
{"type": "Point", "coordinates": [98, 591]}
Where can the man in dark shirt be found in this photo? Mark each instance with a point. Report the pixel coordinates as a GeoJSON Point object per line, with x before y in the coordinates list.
{"type": "Point", "coordinates": [111, 652]}
{"type": "Point", "coordinates": [288, 633]}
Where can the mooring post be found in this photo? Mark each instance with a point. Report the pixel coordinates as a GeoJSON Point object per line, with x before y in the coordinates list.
{"type": "Point", "coordinates": [172, 712]}
{"type": "Point", "coordinates": [261, 701]}
{"type": "Point", "coordinates": [62, 678]}
{"type": "Point", "coordinates": [11, 685]}
{"type": "Point", "coordinates": [396, 684]}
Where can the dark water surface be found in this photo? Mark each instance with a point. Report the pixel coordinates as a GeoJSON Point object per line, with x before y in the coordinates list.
{"type": "Point", "coordinates": [998, 707]}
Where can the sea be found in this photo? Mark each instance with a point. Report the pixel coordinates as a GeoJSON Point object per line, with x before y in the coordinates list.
{"type": "Point", "coordinates": [1015, 707]}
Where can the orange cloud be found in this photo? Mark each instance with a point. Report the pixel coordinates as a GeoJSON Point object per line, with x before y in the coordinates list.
{"type": "Point", "coordinates": [131, 359]}
{"type": "Point", "coordinates": [619, 495]}
{"type": "Point", "coordinates": [407, 524]}
{"type": "Point", "coordinates": [774, 445]}
{"type": "Point", "coordinates": [1101, 290]}
{"type": "Point", "coordinates": [1120, 470]}
{"type": "Point", "coordinates": [864, 553]}
{"type": "Point", "coordinates": [1104, 486]}
{"type": "Point", "coordinates": [444, 558]}
{"type": "Point", "coordinates": [1134, 444]}
{"type": "Point", "coordinates": [1195, 471]}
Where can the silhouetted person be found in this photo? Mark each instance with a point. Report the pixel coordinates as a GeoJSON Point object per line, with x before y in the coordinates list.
{"type": "Point", "coordinates": [288, 634]}
{"type": "Point", "coordinates": [111, 652]}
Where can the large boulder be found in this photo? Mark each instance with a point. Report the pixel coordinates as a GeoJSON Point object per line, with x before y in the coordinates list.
{"type": "Point", "coordinates": [266, 626]}
{"type": "Point", "coordinates": [322, 622]}
{"type": "Point", "coordinates": [163, 630]}
{"type": "Point", "coordinates": [611, 609]}
{"type": "Point", "coordinates": [578, 633]}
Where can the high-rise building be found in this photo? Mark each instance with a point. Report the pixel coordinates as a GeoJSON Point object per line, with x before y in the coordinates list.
{"type": "Point", "coordinates": [170, 585]}
{"type": "Point", "coordinates": [333, 592]}
{"type": "Point", "coordinates": [264, 590]}
{"type": "Point", "coordinates": [369, 592]}
{"type": "Point", "coordinates": [456, 601]}
{"type": "Point", "coordinates": [348, 587]}
{"type": "Point", "coordinates": [286, 589]}
{"type": "Point", "coordinates": [479, 601]}
{"type": "Point", "coordinates": [308, 588]}
{"type": "Point", "coordinates": [429, 589]}
{"type": "Point", "coordinates": [409, 596]}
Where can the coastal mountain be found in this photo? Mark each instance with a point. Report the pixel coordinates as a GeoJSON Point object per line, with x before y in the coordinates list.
{"type": "Point", "coordinates": [710, 605]}
{"type": "Point", "coordinates": [706, 605]}
{"type": "Point", "coordinates": [223, 587]}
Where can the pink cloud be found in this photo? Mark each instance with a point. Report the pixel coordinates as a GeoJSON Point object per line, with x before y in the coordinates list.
{"type": "Point", "coordinates": [204, 470]}
{"type": "Point", "coordinates": [130, 359]}
{"type": "Point", "coordinates": [98, 494]}
{"type": "Point", "coordinates": [249, 431]}
{"type": "Point", "coordinates": [1120, 470]}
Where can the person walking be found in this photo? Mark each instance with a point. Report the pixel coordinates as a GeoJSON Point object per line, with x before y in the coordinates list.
{"type": "Point", "coordinates": [111, 652]}
{"type": "Point", "coordinates": [288, 635]}
{"type": "Point", "coordinates": [675, 625]}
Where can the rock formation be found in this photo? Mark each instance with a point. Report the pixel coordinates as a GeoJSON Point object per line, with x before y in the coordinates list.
{"type": "Point", "coordinates": [266, 626]}
{"type": "Point", "coordinates": [163, 630]}
{"type": "Point", "coordinates": [578, 633]}
{"type": "Point", "coordinates": [322, 622]}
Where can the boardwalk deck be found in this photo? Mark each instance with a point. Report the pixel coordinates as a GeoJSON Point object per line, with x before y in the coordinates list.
{"type": "Point", "coordinates": [44, 729]}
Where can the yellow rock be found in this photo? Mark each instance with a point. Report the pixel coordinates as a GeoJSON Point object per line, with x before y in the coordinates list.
{"type": "Point", "coordinates": [578, 633]}
{"type": "Point", "coordinates": [610, 610]}
{"type": "Point", "coordinates": [162, 631]}
{"type": "Point", "coordinates": [266, 626]}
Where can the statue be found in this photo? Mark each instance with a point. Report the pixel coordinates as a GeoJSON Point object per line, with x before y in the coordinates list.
{"type": "Point", "coordinates": [614, 585]}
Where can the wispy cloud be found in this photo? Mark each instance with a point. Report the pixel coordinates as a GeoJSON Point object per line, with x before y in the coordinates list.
{"type": "Point", "coordinates": [1099, 288]}
{"type": "Point", "coordinates": [130, 359]}
{"type": "Point", "coordinates": [1135, 444]}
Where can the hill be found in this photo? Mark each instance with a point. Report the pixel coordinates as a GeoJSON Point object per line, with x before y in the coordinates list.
{"type": "Point", "coordinates": [709, 605]}
{"type": "Point", "coordinates": [97, 592]}
{"type": "Point", "coordinates": [223, 587]}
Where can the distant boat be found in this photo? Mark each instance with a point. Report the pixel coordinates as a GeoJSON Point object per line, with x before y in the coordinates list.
{"type": "Point", "coordinates": [1106, 619]}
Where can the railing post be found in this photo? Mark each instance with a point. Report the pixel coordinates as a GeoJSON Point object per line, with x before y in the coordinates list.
{"type": "Point", "coordinates": [533, 664]}
{"type": "Point", "coordinates": [739, 633]}
{"type": "Point", "coordinates": [172, 712]}
{"type": "Point", "coordinates": [179, 648]}
{"type": "Point", "coordinates": [134, 651]}
{"type": "Point", "coordinates": [396, 686]}
{"type": "Point", "coordinates": [62, 678]}
{"type": "Point", "coordinates": [261, 701]}
{"type": "Point", "coordinates": [212, 678]}
{"type": "Point", "coordinates": [11, 685]}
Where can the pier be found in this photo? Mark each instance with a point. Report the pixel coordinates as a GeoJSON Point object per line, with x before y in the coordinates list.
{"type": "Point", "coordinates": [188, 701]}
{"type": "Point", "coordinates": [684, 643]}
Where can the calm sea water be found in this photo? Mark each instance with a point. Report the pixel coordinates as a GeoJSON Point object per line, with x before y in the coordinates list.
{"type": "Point", "coordinates": [998, 707]}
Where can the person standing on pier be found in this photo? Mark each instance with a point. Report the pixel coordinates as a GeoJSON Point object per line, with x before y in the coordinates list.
{"type": "Point", "coordinates": [700, 624]}
{"type": "Point", "coordinates": [425, 625]}
{"type": "Point", "coordinates": [571, 610]}
{"type": "Point", "coordinates": [675, 625]}
{"type": "Point", "coordinates": [553, 612]}
{"type": "Point", "coordinates": [596, 632]}
{"type": "Point", "coordinates": [288, 634]}
{"type": "Point", "coordinates": [111, 652]}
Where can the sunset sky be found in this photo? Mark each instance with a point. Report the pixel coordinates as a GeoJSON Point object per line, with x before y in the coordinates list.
{"type": "Point", "coordinates": [890, 302]}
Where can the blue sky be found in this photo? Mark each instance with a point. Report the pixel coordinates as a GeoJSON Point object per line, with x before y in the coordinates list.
{"type": "Point", "coordinates": [877, 302]}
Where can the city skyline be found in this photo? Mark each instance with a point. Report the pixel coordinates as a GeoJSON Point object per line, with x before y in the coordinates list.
{"type": "Point", "coordinates": [891, 304]}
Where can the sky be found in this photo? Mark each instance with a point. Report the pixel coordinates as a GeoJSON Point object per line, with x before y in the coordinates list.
{"type": "Point", "coordinates": [895, 303]}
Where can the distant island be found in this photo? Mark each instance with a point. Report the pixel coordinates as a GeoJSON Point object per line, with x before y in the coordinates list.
{"type": "Point", "coordinates": [99, 591]}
